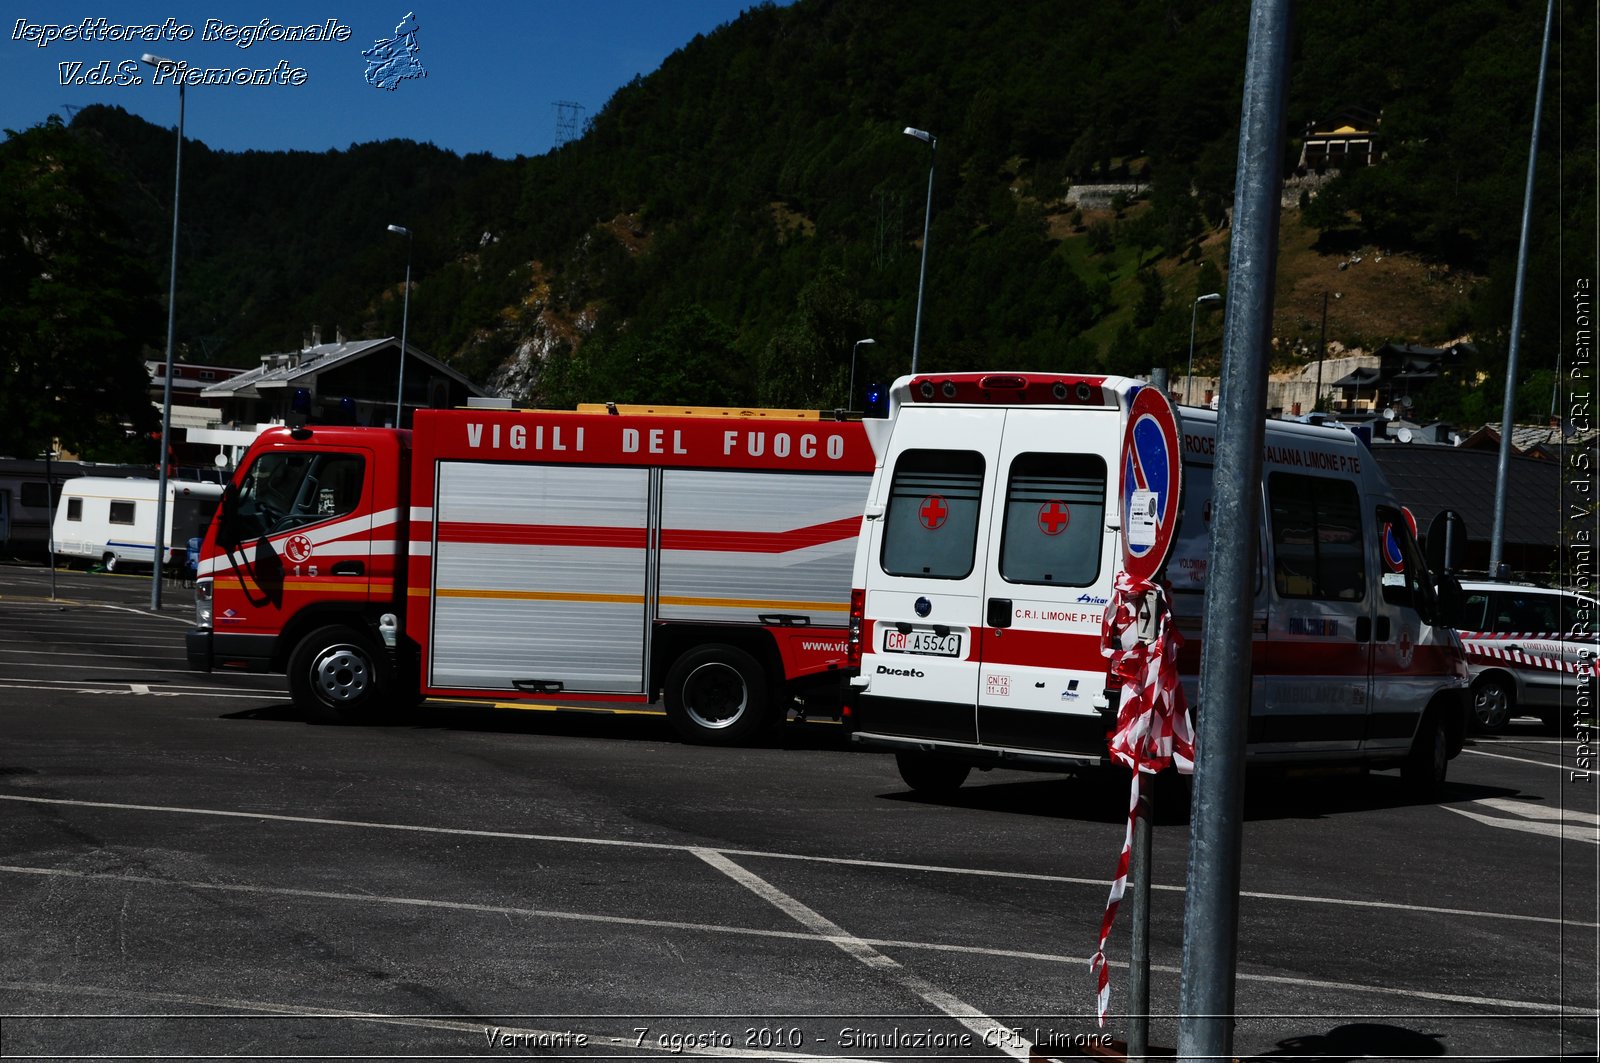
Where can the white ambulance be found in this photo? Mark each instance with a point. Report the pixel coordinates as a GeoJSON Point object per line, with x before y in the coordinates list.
{"type": "Point", "coordinates": [986, 562]}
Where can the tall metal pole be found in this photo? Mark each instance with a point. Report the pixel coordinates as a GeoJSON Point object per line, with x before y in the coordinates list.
{"type": "Point", "coordinates": [166, 389]}
{"type": "Point", "coordinates": [850, 396]}
{"type": "Point", "coordinates": [405, 318]}
{"type": "Point", "coordinates": [927, 217]}
{"type": "Point", "coordinates": [1139, 937]}
{"type": "Point", "coordinates": [1497, 533]}
{"type": "Point", "coordinates": [50, 496]}
{"type": "Point", "coordinates": [1208, 299]}
{"type": "Point", "coordinates": [1211, 905]}
{"type": "Point", "coordinates": [1322, 354]}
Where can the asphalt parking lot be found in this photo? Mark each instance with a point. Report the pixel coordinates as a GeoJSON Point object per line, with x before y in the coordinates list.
{"type": "Point", "coordinates": [188, 868]}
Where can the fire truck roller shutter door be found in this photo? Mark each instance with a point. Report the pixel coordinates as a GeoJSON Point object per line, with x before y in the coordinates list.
{"type": "Point", "coordinates": [540, 573]}
{"type": "Point", "coordinates": [738, 545]}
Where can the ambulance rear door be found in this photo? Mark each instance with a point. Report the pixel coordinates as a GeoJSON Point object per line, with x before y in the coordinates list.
{"type": "Point", "coordinates": [925, 587]}
{"type": "Point", "coordinates": [1047, 580]}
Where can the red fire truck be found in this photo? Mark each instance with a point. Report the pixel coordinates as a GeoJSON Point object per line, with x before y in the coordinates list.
{"type": "Point", "coordinates": [697, 556]}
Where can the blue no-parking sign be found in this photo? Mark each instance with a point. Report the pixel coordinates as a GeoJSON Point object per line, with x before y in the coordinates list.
{"type": "Point", "coordinates": [1152, 483]}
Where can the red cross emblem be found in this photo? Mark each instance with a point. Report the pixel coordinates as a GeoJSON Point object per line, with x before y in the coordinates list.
{"type": "Point", "coordinates": [934, 512]}
{"type": "Point", "coordinates": [297, 549]}
{"type": "Point", "coordinates": [1054, 516]}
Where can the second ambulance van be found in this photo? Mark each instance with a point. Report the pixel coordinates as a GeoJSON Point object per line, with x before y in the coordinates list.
{"type": "Point", "coordinates": [986, 562]}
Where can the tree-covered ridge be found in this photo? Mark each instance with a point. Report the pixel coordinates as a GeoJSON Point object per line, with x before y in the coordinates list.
{"type": "Point", "coordinates": [729, 225]}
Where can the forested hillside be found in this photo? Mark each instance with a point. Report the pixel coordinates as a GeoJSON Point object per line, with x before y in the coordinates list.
{"type": "Point", "coordinates": [728, 226]}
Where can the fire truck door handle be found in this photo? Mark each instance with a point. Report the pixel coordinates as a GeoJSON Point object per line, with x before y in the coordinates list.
{"type": "Point", "coordinates": [1363, 629]}
{"type": "Point", "coordinates": [1383, 629]}
{"type": "Point", "coordinates": [999, 612]}
{"type": "Point", "coordinates": [349, 568]}
{"type": "Point", "coordinates": [784, 619]}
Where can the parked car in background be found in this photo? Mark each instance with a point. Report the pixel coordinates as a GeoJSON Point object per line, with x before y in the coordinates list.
{"type": "Point", "coordinates": [1532, 652]}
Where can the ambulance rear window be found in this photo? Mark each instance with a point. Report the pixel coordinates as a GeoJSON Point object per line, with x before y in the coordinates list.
{"type": "Point", "coordinates": [930, 528]}
{"type": "Point", "coordinates": [1055, 514]}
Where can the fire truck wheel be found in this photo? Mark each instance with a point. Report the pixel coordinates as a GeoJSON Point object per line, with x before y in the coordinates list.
{"type": "Point", "coordinates": [1429, 759]}
{"type": "Point", "coordinates": [717, 695]}
{"type": "Point", "coordinates": [931, 775]}
{"type": "Point", "coordinates": [336, 675]}
{"type": "Point", "coordinates": [1492, 701]}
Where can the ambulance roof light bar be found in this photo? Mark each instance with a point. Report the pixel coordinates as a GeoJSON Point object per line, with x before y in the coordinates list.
{"type": "Point", "coordinates": [1012, 389]}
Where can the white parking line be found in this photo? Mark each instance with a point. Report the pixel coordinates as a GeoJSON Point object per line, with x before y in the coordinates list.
{"type": "Point", "coordinates": [838, 937]}
{"type": "Point", "coordinates": [467, 832]}
{"type": "Point", "coordinates": [1520, 760]}
{"type": "Point", "coordinates": [12, 600]}
{"type": "Point", "coordinates": [518, 1036]}
{"type": "Point", "coordinates": [51, 654]}
{"type": "Point", "coordinates": [989, 1031]}
{"type": "Point", "coordinates": [66, 687]}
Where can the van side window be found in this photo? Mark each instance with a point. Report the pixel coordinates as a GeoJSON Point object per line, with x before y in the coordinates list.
{"type": "Point", "coordinates": [1521, 613]}
{"type": "Point", "coordinates": [930, 527]}
{"type": "Point", "coordinates": [74, 509]}
{"type": "Point", "coordinates": [283, 491]}
{"type": "Point", "coordinates": [122, 512]}
{"type": "Point", "coordinates": [1054, 519]}
{"type": "Point", "coordinates": [1317, 549]}
{"type": "Point", "coordinates": [1473, 609]}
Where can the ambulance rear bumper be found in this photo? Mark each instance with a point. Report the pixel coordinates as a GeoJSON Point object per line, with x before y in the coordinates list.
{"type": "Point", "coordinates": [982, 736]}
{"type": "Point", "coordinates": [981, 756]}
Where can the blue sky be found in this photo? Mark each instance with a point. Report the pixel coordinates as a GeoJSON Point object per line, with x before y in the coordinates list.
{"type": "Point", "coordinates": [494, 69]}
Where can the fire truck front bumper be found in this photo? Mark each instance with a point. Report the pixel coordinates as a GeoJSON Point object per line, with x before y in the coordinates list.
{"type": "Point", "coordinates": [209, 651]}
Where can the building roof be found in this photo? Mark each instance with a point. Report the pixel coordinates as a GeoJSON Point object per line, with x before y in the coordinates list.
{"type": "Point", "coordinates": [290, 368]}
{"type": "Point", "coordinates": [1428, 478]}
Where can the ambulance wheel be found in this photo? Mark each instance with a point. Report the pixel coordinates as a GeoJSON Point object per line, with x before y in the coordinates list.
{"type": "Point", "coordinates": [109, 562]}
{"type": "Point", "coordinates": [931, 775]}
{"type": "Point", "coordinates": [717, 696]}
{"type": "Point", "coordinates": [1492, 702]}
{"type": "Point", "coordinates": [1428, 761]}
{"type": "Point", "coordinates": [337, 675]}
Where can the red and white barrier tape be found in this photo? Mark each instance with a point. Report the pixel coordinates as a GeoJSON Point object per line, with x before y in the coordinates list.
{"type": "Point", "coordinates": [1153, 727]}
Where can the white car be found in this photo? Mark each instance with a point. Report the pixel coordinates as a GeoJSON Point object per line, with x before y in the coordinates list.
{"type": "Point", "coordinates": [1532, 652]}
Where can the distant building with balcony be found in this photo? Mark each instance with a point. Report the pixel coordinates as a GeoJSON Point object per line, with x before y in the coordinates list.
{"type": "Point", "coordinates": [1349, 138]}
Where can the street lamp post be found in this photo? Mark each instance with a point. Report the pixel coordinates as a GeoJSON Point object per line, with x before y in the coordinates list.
{"type": "Point", "coordinates": [405, 319]}
{"type": "Point", "coordinates": [850, 396]}
{"type": "Point", "coordinates": [1209, 299]}
{"type": "Point", "coordinates": [927, 216]}
{"type": "Point", "coordinates": [166, 386]}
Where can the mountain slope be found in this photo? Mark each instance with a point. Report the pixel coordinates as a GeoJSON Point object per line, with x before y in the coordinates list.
{"type": "Point", "coordinates": [757, 192]}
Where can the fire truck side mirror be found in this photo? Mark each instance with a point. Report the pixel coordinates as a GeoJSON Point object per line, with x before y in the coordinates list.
{"type": "Point", "coordinates": [227, 516]}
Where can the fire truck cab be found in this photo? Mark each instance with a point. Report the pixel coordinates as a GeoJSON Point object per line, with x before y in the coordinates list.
{"type": "Point", "coordinates": [697, 556]}
{"type": "Point", "coordinates": [987, 559]}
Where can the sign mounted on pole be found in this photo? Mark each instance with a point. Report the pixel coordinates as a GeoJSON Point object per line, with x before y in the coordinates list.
{"type": "Point", "coordinates": [1152, 483]}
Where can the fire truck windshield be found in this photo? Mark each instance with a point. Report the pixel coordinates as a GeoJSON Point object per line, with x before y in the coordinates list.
{"type": "Point", "coordinates": [282, 491]}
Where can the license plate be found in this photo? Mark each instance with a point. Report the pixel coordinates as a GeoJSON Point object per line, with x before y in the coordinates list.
{"type": "Point", "coordinates": [923, 642]}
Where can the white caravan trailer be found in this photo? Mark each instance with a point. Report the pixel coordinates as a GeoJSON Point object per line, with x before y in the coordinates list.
{"type": "Point", "coordinates": [114, 521]}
